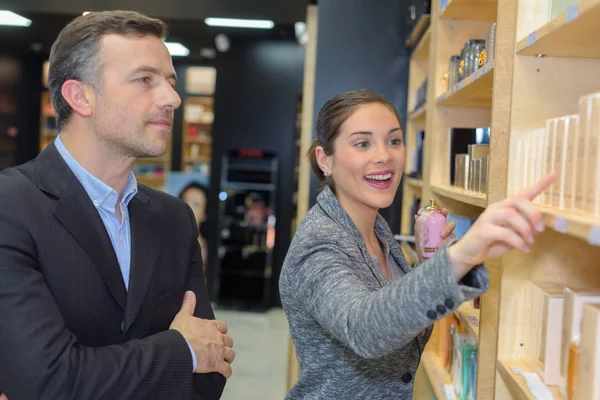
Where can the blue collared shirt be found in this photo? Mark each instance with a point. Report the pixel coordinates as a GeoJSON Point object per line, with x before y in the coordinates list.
{"type": "Point", "coordinates": [105, 200]}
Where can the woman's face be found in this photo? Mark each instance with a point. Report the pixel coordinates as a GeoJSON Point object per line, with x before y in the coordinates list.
{"type": "Point", "coordinates": [196, 199]}
{"type": "Point", "coordinates": [369, 157]}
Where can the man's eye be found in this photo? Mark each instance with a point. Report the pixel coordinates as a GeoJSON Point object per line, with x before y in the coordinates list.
{"type": "Point", "coordinates": [145, 80]}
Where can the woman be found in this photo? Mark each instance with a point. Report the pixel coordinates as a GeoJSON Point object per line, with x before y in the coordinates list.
{"type": "Point", "coordinates": [196, 195]}
{"type": "Point", "coordinates": [359, 315]}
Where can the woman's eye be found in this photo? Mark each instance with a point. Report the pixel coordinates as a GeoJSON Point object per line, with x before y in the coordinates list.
{"type": "Point", "coordinates": [395, 142]}
{"type": "Point", "coordinates": [362, 145]}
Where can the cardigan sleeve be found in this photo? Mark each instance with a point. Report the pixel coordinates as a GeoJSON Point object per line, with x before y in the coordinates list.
{"type": "Point", "coordinates": [374, 323]}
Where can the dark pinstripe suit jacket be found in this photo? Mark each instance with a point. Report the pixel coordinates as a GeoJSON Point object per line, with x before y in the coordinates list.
{"type": "Point", "coordinates": [68, 327]}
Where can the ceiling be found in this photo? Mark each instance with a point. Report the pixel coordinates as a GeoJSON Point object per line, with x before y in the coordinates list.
{"type": "Point", "coordinates": [184, 17]}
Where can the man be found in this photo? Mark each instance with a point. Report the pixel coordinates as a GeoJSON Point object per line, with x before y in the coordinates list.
{"type": "Point", "coordinates": [93, 267]}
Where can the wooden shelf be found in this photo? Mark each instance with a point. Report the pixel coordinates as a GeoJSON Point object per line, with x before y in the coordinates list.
{"type": "Point", "coordinates": [475, 10]}
{"type": "Point", "coordinates": [574, 33]}
{"type": "Point", "coordinates": [418, 30]}
{"type": "Point", "coordinates": [440, 379]}
{"type": "Point", "coordinates": [469, 316]}
{"type": "Point", "coordinates": [419, 114]}
{"type": "Point", "coordinates": [421, 51]}
{"type": "Point", "coordinates": [196, 160]}
{"type": "Point", "coordinates": [152, 160]}
{"type": "Point", "coordinates": [414, 183]}
{"type": "Point", "coordinates": [151, 180]}
{"type": "Point", "coordinates": [464, 196]}
{"type": "Point", "coordinates": [577, 225]}
{"type": "Point", "coordinates": [473, 91]}
{"type": "Point", "coordinates": [198, 140]}
{"type": "Point", "coordinates": [516, 383]}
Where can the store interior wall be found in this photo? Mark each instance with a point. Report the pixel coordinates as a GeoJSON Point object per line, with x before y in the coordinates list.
{"type": "Point", "coordinates": [361, 45]}
{"type": "Point", "coordinates": [255, 108]}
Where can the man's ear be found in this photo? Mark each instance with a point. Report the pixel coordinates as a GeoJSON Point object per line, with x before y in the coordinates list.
{"type": "Point", "coordinates": [323, 160]}
{"type": "Point", "coordinates": [79, 96]}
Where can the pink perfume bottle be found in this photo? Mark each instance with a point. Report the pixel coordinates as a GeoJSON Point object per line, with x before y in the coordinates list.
{"type": "Point", "coordinates": [429, 225]}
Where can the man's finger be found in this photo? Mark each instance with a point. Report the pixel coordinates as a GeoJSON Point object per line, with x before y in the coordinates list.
{"type": "Point", "coordinates": [227, 341]}
{"type": "Point", "coordinates": [3, 396]}
{"type": "Point", "coordinates": [229, 355]}
{"type": "Point", "coordinates": [224, 369]}
{"type": "Point", "coordinates": [221, 326]}
{"type": "Point", "coordinates": [189, 304]}
{"type": "Point", "coordinates": [534, 190]}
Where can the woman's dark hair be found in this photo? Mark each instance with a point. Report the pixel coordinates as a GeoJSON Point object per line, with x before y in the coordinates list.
{"type": "Point", "coordinates": [203, 189]}
{"type": "Point", "coordinates": [194, 185]}
{"type": "Point", "coordinates": [331, 118]}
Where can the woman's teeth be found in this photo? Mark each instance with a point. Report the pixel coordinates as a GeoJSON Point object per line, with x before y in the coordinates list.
{"type": "Point", "coordinates": [379, 177]}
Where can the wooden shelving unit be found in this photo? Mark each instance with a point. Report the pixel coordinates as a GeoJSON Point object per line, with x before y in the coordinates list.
{"type": "Point", "coordinates": [48, 129]}
{"type": "Point", "coordinates": [418, 31]}
{"type": "Point", "coordinates": [197, 134]}
{"type": "Point", "coordinates": [473, 91]}
{"type": "Point", "coordinates": [421, 51]}
{"type": "Point", "coordinates": [517, 386]}
{"type": "Point", "coordinates": [574, 33]}
{"type": "Point", "coordinates": [461, 195]}
{"type": "Point", "coordinates": [469, 316]}
{"type": "Point", "coordinates": [477, 10]}
{"type": "Point", "coordinates": [576, 225]}
{"type": "Point", "coordinates": [438, 376]}
{"type": "Point", "coordinates": [419, 114]}
{"type": "Point", "coordinates": [416, 184]}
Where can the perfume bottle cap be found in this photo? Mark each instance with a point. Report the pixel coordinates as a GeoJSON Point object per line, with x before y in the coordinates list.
{"type": "Point", "coordinates": [433, 205]}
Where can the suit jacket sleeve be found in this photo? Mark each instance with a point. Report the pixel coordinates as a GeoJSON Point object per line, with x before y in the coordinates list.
{"type": "Point", "coordinates": [206, 386]}
{"type": "Point", "coordinates": [374, 323]}
{"type": "Point", "coordinates": [40, 358]}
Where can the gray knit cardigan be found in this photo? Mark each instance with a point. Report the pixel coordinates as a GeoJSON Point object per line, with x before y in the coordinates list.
{"type": "Point", "coordinates": [357, 336]}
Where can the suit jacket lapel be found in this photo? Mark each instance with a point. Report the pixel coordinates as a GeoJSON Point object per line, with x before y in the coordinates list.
{"type": "Point", "coordinates": [75, 211]}
{"type": "Point", "coordinates": [146, 244]}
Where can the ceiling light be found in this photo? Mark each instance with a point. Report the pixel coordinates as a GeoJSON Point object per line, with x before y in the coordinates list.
{"type": "Point", "coordinates": [177, 49]}
{"type": "Point", "coordinates": [240, 23]}
{"type": "Point", "coordinates": [9, 18]}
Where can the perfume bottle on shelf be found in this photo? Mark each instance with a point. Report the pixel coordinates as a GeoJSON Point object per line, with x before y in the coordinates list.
{"type": "Point", "coordinates": [429, 225]}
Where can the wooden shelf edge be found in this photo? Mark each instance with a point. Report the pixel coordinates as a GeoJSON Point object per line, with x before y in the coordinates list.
{"type": "Point", "coordinates": [418, 30]}
{"type": "Point", "coordinates": [421, 51]}
{"type": "Point", "coordinates": [438, 376]}
{"type": "Point", "coordinates": [578, 225]}
{"type": "Point", "coordinates": [413, 182]}
{"type": "Point", "coordinates": [477, 11]}
{"type": "Point", "coordinates": [419, 113]}
{"type": "Point", "coordinates": [476, 78]}
{"type": "Point", "coordinates": [583, 12]}
{"type": "Point", "coordinates": [461, 195]}
{"type": "Point", "coordinates": [516, 383]}
{"type": "Point", "coordinates": [469, 316]}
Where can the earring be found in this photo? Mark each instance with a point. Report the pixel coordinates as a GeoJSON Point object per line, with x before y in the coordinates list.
{"type": "Point", "coordinates": [325, 174]}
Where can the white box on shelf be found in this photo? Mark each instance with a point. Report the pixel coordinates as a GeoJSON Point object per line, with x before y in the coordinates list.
{"type": "Point", "coordinates": [575, 300]}
{"type": "Point", "coordinates": [589, 370]}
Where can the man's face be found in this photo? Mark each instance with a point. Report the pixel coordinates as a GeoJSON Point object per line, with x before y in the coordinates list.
{"type": "Point", "coordinates": [133, 111]}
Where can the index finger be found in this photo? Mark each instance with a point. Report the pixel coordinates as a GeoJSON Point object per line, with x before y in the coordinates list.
{"type": "Point", "coordinates": [534, 190]}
